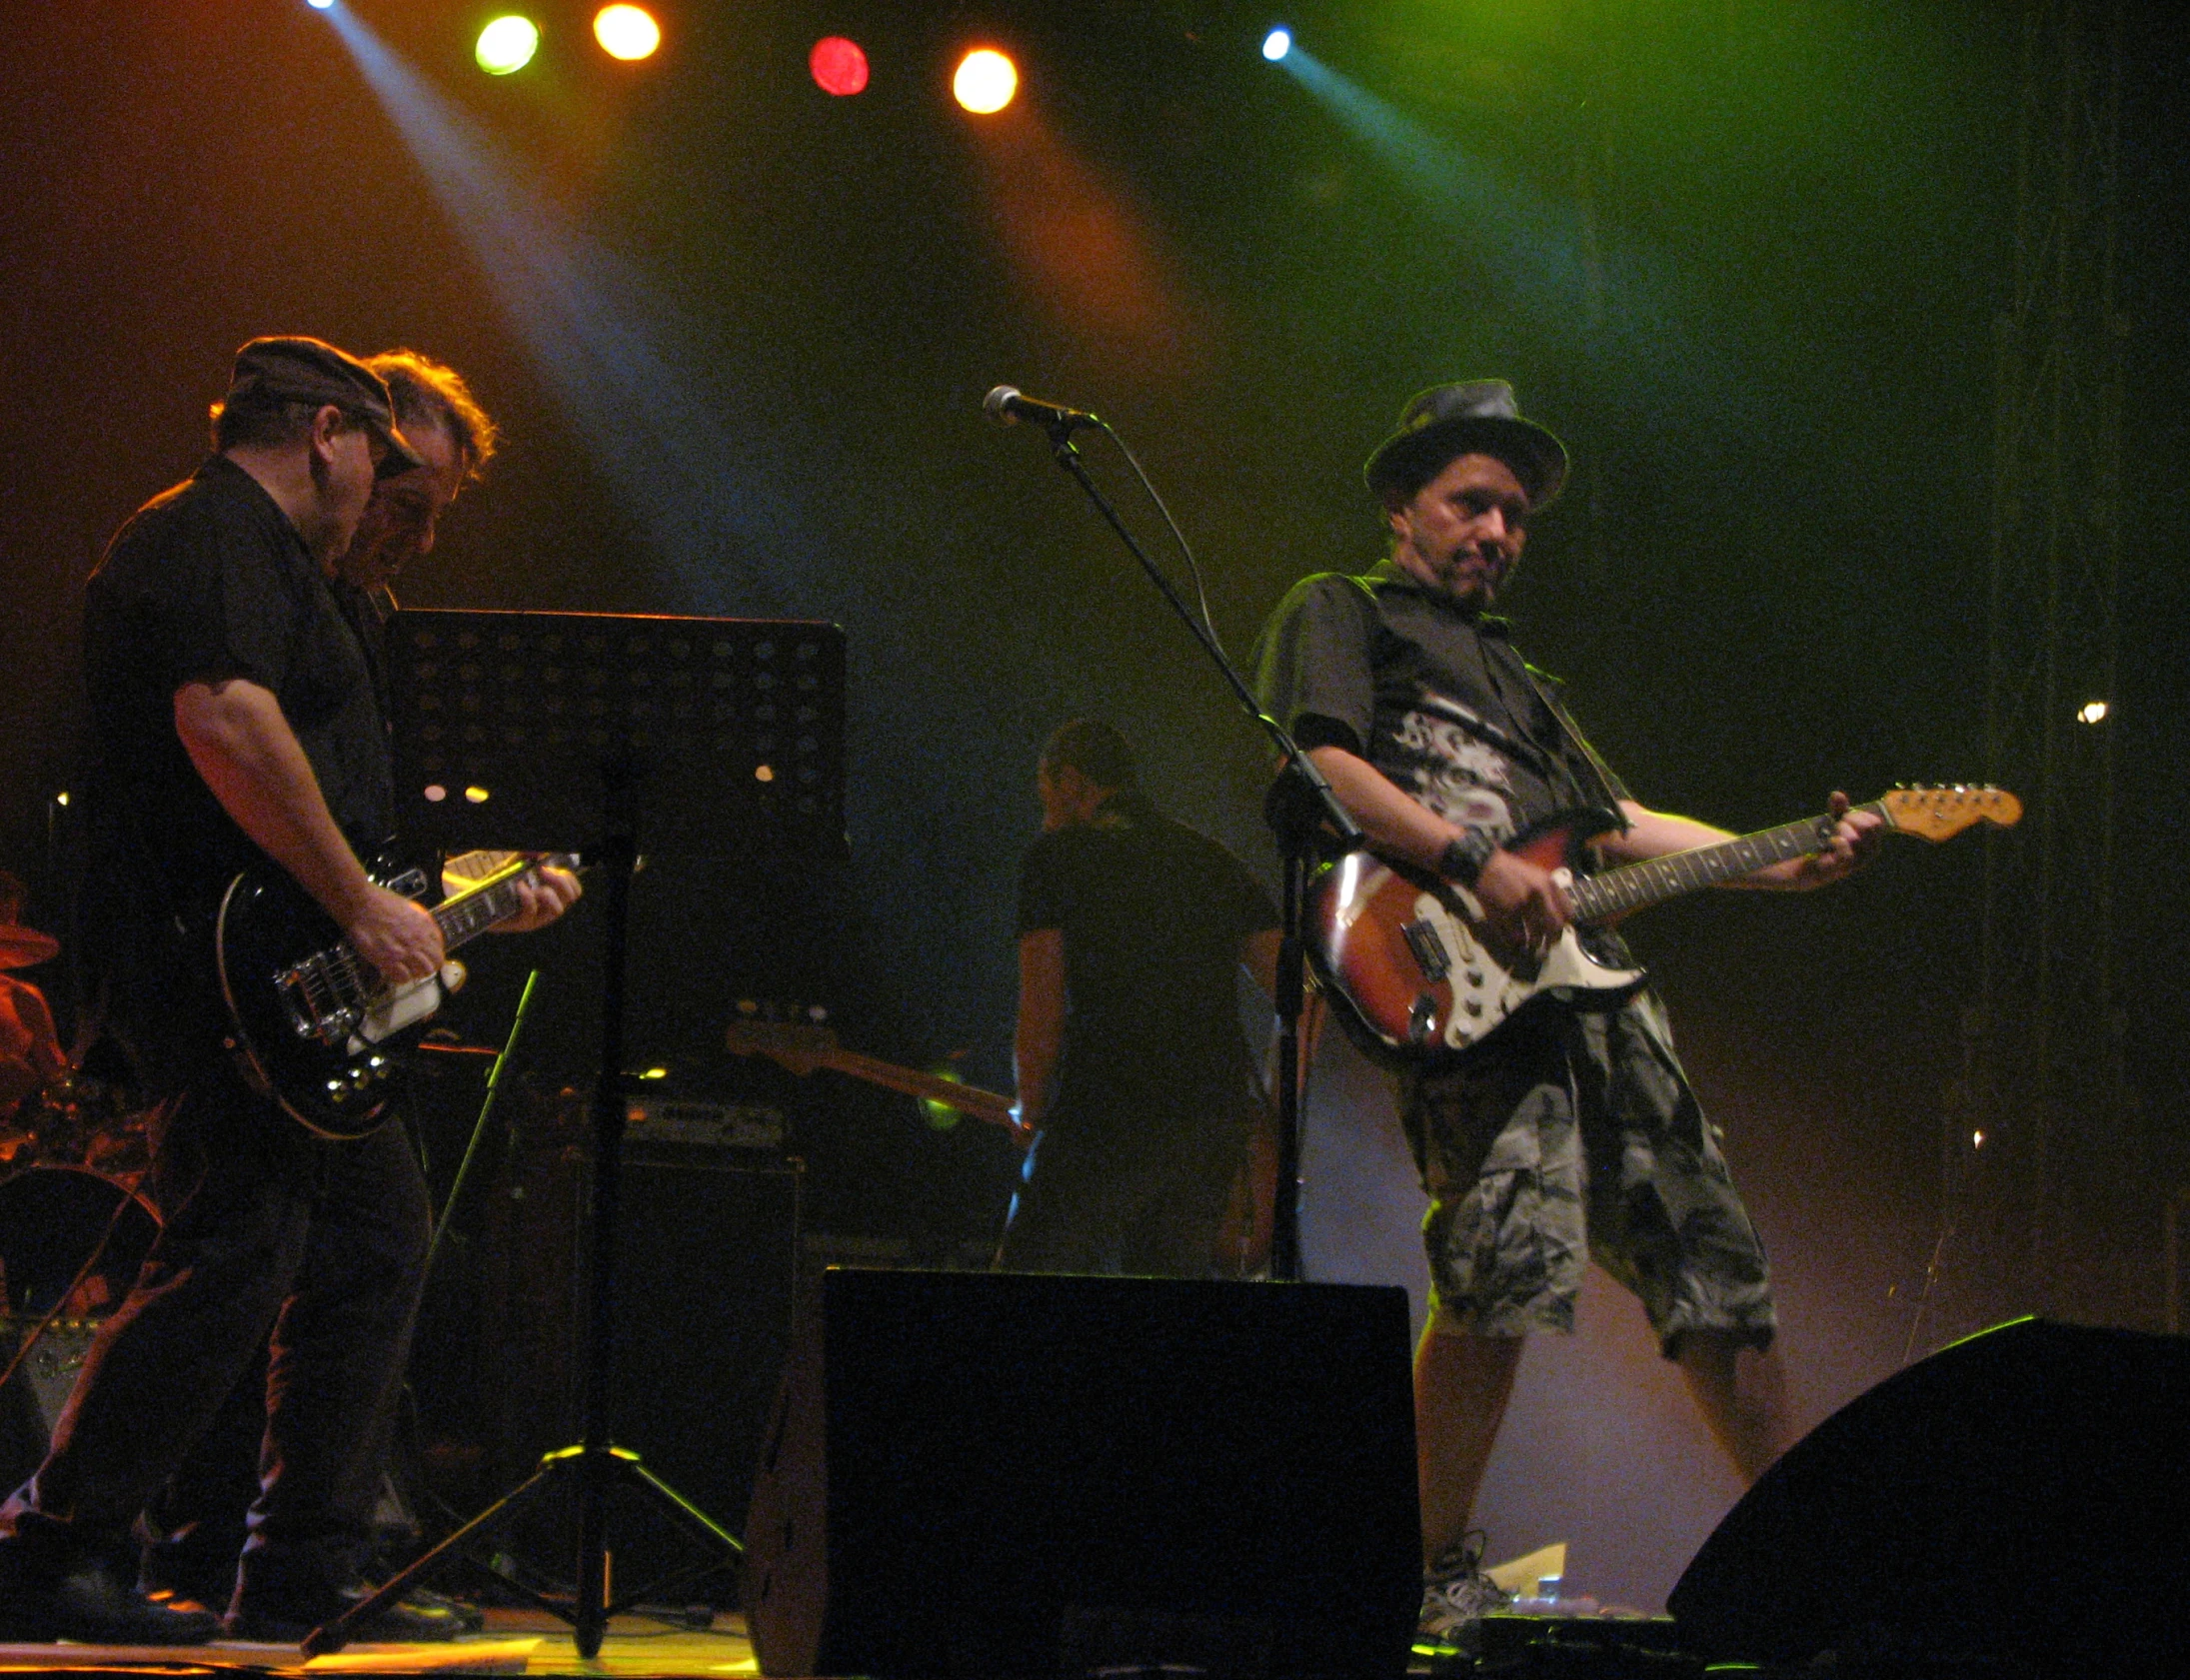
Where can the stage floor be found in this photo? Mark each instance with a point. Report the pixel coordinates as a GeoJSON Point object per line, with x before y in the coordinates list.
{"type": "Point", "coordinates": [516, 1642]}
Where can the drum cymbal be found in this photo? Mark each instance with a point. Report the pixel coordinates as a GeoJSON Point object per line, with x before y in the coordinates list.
{"type": "Point", "coordinates": [22, 947]}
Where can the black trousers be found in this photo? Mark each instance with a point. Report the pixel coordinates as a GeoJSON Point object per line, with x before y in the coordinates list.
{"type": "Point", "coordinates": [1122, 1187]}
{"type": "Point", "coordinates": [271, 1236]}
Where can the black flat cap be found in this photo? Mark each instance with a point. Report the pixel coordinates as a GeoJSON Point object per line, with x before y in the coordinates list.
{"type": "Point", "coordinates": [301, 369]}
{"type": "Point", "coordinates": [1469, 416]}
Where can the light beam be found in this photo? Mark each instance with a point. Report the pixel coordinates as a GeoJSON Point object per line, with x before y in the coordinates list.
{"type": "Point", "coordinates": [618, 361]}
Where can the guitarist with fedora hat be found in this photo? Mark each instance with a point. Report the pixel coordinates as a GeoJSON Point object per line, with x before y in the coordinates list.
{"type": "Point", "coordinates": [1570, 1132]}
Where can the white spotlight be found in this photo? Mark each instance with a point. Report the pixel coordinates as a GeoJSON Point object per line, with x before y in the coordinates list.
{"type": "Point", "coordinates": [1275, 44]}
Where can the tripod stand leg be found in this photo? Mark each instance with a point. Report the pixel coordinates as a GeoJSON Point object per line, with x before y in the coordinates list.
{"type": "Point", "coordinates": [697, 1522]}
{"type": "Point", "coordinates": [333, 1636]}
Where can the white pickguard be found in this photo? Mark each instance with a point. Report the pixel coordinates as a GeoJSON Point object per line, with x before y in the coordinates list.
{"type": "Point", "coordinates": [1485, 992]}
{"type": "Point", "coordinates": [406, 1007]}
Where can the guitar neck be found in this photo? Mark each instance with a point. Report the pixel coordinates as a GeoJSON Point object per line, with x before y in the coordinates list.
{"type": "Point", "coordinates": [494, 899]}
{"type": "Point", "coordinates": [1635, 886]}
{"type": "Point", "coordinates": [908, 1081]}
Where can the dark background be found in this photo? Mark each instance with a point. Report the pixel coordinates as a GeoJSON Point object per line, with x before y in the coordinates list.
{"type": "Point", "coordinates": [1744, 256]}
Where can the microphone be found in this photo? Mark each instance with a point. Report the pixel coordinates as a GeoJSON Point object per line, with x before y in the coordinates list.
{"type": "Point", "coordinates": [1007, 404]}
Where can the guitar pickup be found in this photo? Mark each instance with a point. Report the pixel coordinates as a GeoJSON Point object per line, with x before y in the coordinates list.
{"type": "Point", "coordinates": [1428, 944]}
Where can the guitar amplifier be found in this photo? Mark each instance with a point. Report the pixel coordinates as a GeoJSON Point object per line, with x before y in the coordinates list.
{"type": "Point", "coordinates": [706, 1125]}
{"type": "Point", "coordinates": [705, 1260]}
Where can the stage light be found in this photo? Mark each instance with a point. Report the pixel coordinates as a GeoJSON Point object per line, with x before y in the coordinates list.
{"type": "Point", "coordinates": [626, 32]}
{"type": "Point", "coordinates": [319, 5]}
{"type": "Point", "coordinates": [507, 44]}
{"type": "Point", "coordinates": [839, 66]}
{"type": "Point", "coordinates": [2092, 711]}
{"type": "Point", "coordinates": [1976, 1140]}
{"type": "Point", "coordinates": [986, 81]}
{"type": "Point", "coordinates": [1276, 44]}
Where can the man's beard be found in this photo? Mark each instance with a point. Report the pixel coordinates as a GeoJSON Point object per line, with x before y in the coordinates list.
{"type": "Point", "coordinates": [1473, 584]}
{"type": "Point", "coordinates": [372, 561]}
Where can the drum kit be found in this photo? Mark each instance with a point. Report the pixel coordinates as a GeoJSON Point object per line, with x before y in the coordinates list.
{"type": "Point", "coordinates": [76, 1215]}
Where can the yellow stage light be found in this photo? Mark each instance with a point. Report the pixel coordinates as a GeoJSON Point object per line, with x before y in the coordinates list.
{"type": "Point", "coordinates": [986, 81]}
{"type": "Point", "coordinates": [626, 32]}
{"type": "Point", "coordinates": [507, 44]}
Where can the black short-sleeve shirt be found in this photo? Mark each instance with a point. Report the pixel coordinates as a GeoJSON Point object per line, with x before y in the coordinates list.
{"type": "Point", "coordinates": [209, 581]}
{"type": "Point", "coordinates": [1152, 914]}
{"type": "Point", "coordinates": [1433, 694]}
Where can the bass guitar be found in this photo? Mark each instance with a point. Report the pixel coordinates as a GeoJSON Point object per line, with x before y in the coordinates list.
{"type": "Point", "coordinates": [311, 1024]}
{"type": "Point", "coordinates": [799, 1047]}
{"type": "Point", "coordinates": [1404, 955]}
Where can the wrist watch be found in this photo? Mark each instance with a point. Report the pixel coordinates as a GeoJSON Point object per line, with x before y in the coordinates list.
{"type": "Point", "coordinates": [1465, 856]}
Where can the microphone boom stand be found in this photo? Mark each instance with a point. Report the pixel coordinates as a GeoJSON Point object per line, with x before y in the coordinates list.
{"type": "Point", "coordinates": [1310, 825]}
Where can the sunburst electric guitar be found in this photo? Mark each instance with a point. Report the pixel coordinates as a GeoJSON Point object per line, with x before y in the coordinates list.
{"type": "Point", "coordinates": [1404, 955]}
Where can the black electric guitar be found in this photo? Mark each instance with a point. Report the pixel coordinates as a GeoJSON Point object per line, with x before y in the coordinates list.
{"type": "Point", "coordinates": [312, 1024]}
{"type": "Point", "coordinates": [1406, 958]}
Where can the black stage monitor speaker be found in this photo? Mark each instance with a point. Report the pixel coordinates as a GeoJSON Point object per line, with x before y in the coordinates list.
{"type": "Point", "coordinates": [974, 1475]}
{"type": "Point", "coordinates": [2021, 1496]}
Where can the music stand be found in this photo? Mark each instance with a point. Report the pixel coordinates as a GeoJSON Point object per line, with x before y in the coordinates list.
{"type": "Point", "coordinates": [557, 732]}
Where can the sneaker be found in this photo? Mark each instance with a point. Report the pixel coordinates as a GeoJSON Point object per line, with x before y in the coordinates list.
{"type": "Point", "coordinates": [1456, 1595]}
{"type": "Point", "coordinates": [471, 1618]}
{"type": "Point", "coordinates": [260, 1620]}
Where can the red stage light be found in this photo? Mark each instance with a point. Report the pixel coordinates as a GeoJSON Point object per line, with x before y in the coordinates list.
{"type": "Point", "coordinates": [839, 65]}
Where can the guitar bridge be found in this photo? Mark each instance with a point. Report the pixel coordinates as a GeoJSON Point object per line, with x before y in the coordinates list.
{"type": "Point", "coordinates": [317, 1009]}
{"type": "Point", "coordinates": [1428, 944]}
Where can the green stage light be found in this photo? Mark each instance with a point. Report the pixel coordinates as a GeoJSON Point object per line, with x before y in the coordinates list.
{"type": "Point", "coordinates": [507, 44]}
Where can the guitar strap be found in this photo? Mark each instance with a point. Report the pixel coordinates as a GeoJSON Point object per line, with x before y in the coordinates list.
{"type": "Point", "coordinates": [1609, 784]}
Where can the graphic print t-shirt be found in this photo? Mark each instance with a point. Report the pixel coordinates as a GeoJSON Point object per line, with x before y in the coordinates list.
{"type": "Point", "coordinates": [1435, 697]}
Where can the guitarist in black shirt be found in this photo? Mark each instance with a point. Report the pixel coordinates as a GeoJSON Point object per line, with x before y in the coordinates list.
{"type": "Point", "coordinates": [1570, 1133]}
{"type": "Point", "coordinates": [238, 721]}
{"type": "Point", "coordinates": [1132, 1066]}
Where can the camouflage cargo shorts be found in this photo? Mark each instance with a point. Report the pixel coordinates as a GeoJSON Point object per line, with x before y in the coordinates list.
{"type": "Point", "coordinates": [1575, 1135]}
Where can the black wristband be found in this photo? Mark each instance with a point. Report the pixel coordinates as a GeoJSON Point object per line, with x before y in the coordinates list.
{"type": "Point", "coordinates": [1465, 856]}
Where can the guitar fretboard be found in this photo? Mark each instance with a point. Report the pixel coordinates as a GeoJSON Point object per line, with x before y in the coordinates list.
{"type": "Point", "coordinates": [473, 912]}
{"type": "Point", "coordinates": [1633, 886]}
{"type": "Point", "coordinates": [461, 919]}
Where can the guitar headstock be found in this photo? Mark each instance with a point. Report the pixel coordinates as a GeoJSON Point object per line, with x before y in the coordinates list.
{"type": "Point", "coordinates": [1938, 813]}
{"type": "Point", "coordinates": [799, 1043]}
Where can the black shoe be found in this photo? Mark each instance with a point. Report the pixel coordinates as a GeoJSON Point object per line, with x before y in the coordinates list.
{"type": "Point", "coordinates": [412, 1620]}
{"type": "Point", "coordinates": [92, 1605]}
{"type": "Point", "coordinates": [186, 1589]}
